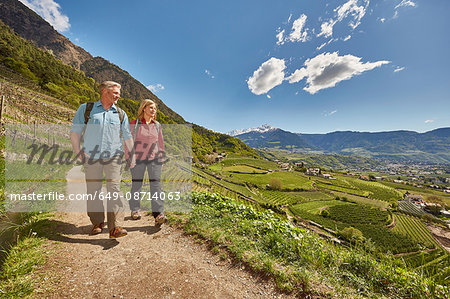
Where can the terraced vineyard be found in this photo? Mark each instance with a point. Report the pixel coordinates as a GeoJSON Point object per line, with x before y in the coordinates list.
{"type": "Point", "coordinates": [350, 185]}
{"type": "Point", "coordinates": [370, 221]}
{"type": "Point", "coordinates": [359, 214]}
{"type": "Point", "coordinates": [414, 228]}
{"type": "Point", "coordinates": [378, 191]}
{"type": "Point", "coordinates": [279, 198]}
{"type": "Point", "coordinates": [364, 204]}
{"type": "Point", "coordinates": [410, 208]}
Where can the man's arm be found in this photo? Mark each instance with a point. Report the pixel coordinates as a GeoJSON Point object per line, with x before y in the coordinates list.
{"type": "Point", "coordinates": [129, 144]}
{"type": "Point", "coordinates": [75, 140]}
{"type": "Point", "coordinates": [76, 131]}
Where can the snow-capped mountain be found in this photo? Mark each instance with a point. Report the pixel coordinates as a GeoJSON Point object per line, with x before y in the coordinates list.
{"type": "Point", "coordinates": [261, 129]}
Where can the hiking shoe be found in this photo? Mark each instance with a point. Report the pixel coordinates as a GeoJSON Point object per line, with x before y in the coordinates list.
{"type": "Point", "coordinates": [97, 228]}
{"type": "Point", "coordinates": [117, 232]}
{"type": "Point", "coordinates": [160, 219]}
{"type": "Point", "coordinates": [136, 215]}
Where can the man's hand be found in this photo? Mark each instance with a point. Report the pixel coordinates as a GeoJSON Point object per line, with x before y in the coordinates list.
{"type": "Point", "coordinates": [75, 140]}
{"type": "Point", "coordinates": [133, 161]}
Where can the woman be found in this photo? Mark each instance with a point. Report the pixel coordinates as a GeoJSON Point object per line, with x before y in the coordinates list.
{"type": "Point", "coordinates": [148, 147]}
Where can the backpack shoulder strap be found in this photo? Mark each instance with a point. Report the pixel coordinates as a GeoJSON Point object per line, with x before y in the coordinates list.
{"type": "Point", "coordinates": [136, 125]}
{"type": "Point", "coordinates": [121, 113]}
{"type": "Point", "coordinates": [158, 127]}
{"type": "Point", "coordinates": [87, 112]}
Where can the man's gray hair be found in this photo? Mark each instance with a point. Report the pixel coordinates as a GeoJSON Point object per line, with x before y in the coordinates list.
{"type": "Point", "coordinates": [108, 84]}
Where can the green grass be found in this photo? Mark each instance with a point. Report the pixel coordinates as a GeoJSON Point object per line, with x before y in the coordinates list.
{"type": "Point", "coordinates": [290, 180]}
{"type": "Point", "coordinates": [21, 260]}
{"type": "Point", "coordinates": [313, 207]}
{"type": "Point", "coordinates": [242, 168]}
{"type": "Point", "coordinates": [257, 163]}
{"type": "Point", "coordinates": [362, 200]}
{"type": "Point", "coordinates": [314, 195]}
{"type": "Point", "coordinates": [343, 189]}
{"type": "Point", "coordinates": [22, 237]}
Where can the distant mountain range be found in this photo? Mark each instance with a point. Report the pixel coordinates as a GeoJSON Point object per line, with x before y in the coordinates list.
{"type": "Point", "coordinates": [429, 147]}
{"type": "Point", "coordinates": [261, 129]}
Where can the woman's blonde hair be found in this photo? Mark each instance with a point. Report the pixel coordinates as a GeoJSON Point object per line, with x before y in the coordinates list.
{"type": "Point", "coordinates": [144, 104]}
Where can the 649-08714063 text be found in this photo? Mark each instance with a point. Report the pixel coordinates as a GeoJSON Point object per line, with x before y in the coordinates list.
{"type": "Point", "coordinates": [51, 196]}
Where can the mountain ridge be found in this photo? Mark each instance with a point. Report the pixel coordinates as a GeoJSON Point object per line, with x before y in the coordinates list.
{"type": "Point", "coordinates": [431, 146]}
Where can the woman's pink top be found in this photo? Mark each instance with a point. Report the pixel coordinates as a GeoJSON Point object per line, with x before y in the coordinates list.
{"type": "Point", "coordinates": [148, 142]}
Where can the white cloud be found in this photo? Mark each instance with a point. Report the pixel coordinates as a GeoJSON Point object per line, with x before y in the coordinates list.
{"type": "Point", "coordinates": [280, 38]}
{"type": "Point", "coordinates": [326, 29]}
{"type": "Point", "coordinates": [267, 76]}
{"type": "Point", "coordinates": [289, 19]}
{"type": "Point", "coordinates": [399, 69]}
{"type": "Point", "coordinates": [327, 69]}
{"type": "Point", "coordinates": [330, 113]}
{"type": "Point", "coordinates": [395, 15]}
{"type": "Point", "coordinates": [208, 72]}
{"type": "Point", "coordinates": [347, 38]}
{"type": "Point", "coordinates": [155, 88]}
{"type": "Point", "coordinates": [349, 9]}
{"type": "Point", "coordinates": [405, 3]}
{"type": "Point", "coordinates": [268, 96]}
{"type": "Point", "coordinates": [428, 121]}
{"type": "Point", "coordinates": [382, 20]}
{"type": "Point", "coordinates": [50, 11]}
{"type": "Point", "coordinates": [321, 46]}
{"type": "Point", "coordinates": [298, 31]}
{"type": "Point", "coordinates": [298, 34]}
{"type": "Point", "coordinates": [327, 43]}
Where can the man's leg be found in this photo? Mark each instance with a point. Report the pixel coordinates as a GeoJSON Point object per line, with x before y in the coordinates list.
{"type": "Point", "coordinates": [94, 178]}
{"type": "Point", "coordinates": [115, 203]}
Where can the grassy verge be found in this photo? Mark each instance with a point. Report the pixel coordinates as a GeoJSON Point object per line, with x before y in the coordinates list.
{"type": "Point", "coordinates": [21, 255]}
{"type": "Point", "coordinates": [298, 260]}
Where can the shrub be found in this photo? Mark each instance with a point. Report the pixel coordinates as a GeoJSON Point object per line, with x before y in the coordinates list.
{"type": "Point", "coordinates": [352, 234]}
{"type": "Point", "coordinates": [275, 184]}
{"type": "Point", "coordinates": [325, 213]}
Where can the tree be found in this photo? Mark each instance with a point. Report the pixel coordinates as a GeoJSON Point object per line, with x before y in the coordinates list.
{"type": "Point", "coordinates": [275, 184]}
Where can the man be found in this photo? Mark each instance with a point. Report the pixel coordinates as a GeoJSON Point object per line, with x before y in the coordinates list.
{"type": "Point", "coordinates": [102, 154]}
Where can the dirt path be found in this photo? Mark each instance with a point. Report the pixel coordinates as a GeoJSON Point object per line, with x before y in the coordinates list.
{"type": "Point", "coordinates": [148, 263]}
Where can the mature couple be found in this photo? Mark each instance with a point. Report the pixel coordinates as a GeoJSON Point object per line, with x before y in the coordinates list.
{"type": "Point", "coordinates": [103, 126]}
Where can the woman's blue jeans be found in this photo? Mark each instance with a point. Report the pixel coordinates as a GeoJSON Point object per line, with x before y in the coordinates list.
{"type": "Point", "coordinates": [153, 168]}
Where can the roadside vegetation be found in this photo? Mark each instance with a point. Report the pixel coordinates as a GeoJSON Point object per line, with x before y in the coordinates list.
{"type": "Point", "coordinates": [299, 260]}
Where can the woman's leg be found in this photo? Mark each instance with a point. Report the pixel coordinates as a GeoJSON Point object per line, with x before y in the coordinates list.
{"type": "Point", "coordinates": [154, 174]}
{"type": "Point", "coordinates": [137, 176]}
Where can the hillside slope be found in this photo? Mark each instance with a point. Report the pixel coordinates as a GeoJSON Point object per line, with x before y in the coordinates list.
{"type": "Point", "coordinates": [44, 69]}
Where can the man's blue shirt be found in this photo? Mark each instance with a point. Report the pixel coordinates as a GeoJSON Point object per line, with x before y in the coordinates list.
{"type": "Point", "coordinates": [102, 134]}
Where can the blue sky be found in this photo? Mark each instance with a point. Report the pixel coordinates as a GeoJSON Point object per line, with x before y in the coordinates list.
{"type": "Point", "coordinates": [303, 66]}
